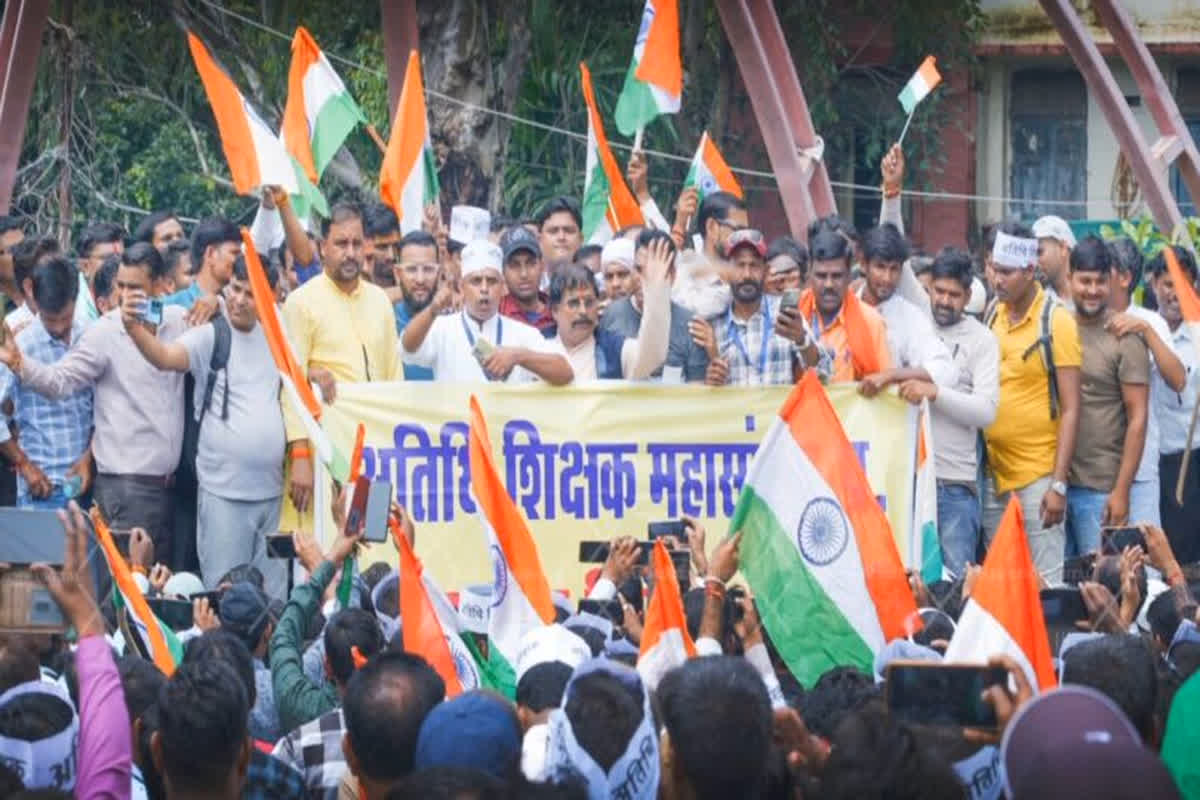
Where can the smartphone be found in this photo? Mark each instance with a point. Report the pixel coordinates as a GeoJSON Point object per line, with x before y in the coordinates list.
{"type": "Point", "coordinates": [609, 609]}
{"type": "Point", "coordinates": [213, 598]}
{"type": "Point", "coordinates": [1113, 541]}
{"type": "Point", "coordinates": [1078, 569]}
{"type": "Point", "coordinates": [177, 614]}
{"type": "Point", "coordinates": [674, 527]}
{"type": "Point", "coordinates": [357, 514]}
{"type": "Point", "coordinates": [281, 545]}
{"type": "Point", "coordinates": [596, 552]}
{"type": "Point", "coordinates": [379, 503]}
{"type": "Point", "coordinates": [790, 299]}
{"type": "Point", "coordinates": [152, 311]}
{"type": "Point", "coordinates": [928, 693]}
{"type": "Point", "coordinates": [1063, 606]}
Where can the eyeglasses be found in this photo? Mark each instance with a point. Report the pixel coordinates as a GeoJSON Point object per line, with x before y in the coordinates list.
{"type": "Point", "coordinates": [581, 303]}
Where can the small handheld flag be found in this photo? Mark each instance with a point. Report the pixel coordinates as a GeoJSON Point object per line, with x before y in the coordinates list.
{"type": "Point", "coordinates": [918, 87]}
{"type": "Point", "coordinates": [608, 204]}
{"type": "Point", "coordinates": [408, 179]}
{"type": "Point", "coordinates": [654, 82]}
{"type": "Point", "coordinates": [709, 173]}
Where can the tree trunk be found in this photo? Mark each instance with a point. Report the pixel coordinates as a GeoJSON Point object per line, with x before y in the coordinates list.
{"type": "Point", "coordinates": [67, 87]}
{"type": "Point", "coordinates": [459, 42]}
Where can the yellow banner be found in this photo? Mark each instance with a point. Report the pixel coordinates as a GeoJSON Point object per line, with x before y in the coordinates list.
{"type": "Point", "coordinates": [590, 462]}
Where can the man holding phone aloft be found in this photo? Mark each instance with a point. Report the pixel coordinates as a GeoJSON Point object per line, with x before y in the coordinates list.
{"type": "Point", "coordinates": [239, 459]}
{"type": "Point", "coordinates": [478, 343]}
{"type": "Point", "coordinates": [138, 409]}
{"type": "Point", "coordinates": [758, 341]}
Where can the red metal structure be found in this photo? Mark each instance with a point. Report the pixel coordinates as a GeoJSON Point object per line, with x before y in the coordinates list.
{"type": "Point", "coordinates": [20, 42]}
{"type": "Point", "coordinates": [781, 109]}
{"type": "Point", "coordinates": [1149, 162]}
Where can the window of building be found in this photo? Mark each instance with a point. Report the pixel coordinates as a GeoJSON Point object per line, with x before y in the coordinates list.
{"type": "Point", "coordinates": [1187, 96]}
{"type": "Point", "coordinates": [1048, 115]}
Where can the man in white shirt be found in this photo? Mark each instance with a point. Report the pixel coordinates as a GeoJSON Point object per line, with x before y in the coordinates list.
{"type": "Point", "coordinates": [605, 353]}
{"type": "Point", "coordinates": [478, 344]}
{"type": "Point", "coordinates": [960, 408]}
{"type": "Point", "coordinates": [1174, 412]}
{"type": "Point", "coordinates": [917, 353]}
{"type": "Point", "coordinates": [1167, 373]}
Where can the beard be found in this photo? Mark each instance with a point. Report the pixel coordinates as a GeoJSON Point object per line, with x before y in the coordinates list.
{"type": "Point", "coordinates": [945, 316]}
{"type": "Point", "coordinates": [747, 291]}
{"type": "Point", "coordinates": [410, 300]}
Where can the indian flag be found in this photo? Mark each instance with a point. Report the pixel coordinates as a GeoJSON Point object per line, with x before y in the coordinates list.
{"type": "Point", "coordinates": [1189, 303]}
{"type": "Point", "coordinates": [255, 154]}
{"type": "Point", "coordinates": [1003, 615]}
{"type": "Point", "coordinates": [666, 642]}
{"type": "Point", "coordinates": [925, 549]}
{"type": "Point", "coordinates": [920, 84]}
{"type": "Point", "coordinates": [608, 205]}
{"type": "Point", "coordinates": [709, 173]}
{"type": "Point", "coordinates": [817, 550]}
{"type": "Point", "coordinates": [408, 179]}
{"type": "Point", "coordinates": [654, 82]}
{"type": "Point", "coordinates": [320, 113]}
{"type": "Point", "coordinates": [295, 384]}
{"type": "Point", "coordinates": [159, 641]}
{"type": "Point", "coordinates": [430, 632]}
{"type": "Point", "coordinates": [520, 592]}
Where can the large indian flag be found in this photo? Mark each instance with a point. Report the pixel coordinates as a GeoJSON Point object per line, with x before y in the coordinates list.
{"type": "Point", "coordinates": [666, 642]}
{"type": "Point", "coordinates": [320, 113]}
{"type": "Point", "coordinates": [520, 592]}
{"type": "Point", "coordinates": [1003, 615]}
{"type": "Point", "coordinates": [654, 82]}
{"type": "Point", "coordinates": [709, 173]}
{"type": "Point", "coordinates": [255, 154]}
{"type": "Point", "coordinates": [408, 179]}
{"type": "Point", "coordinates": [608, 204]}
{"type": "Point", "coordinates": [817, 550]}
{"type": "Point", "coordinates": [920, 84]}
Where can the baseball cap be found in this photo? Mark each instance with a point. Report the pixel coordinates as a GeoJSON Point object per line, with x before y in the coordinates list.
{"type": "Point", "coordinates": [476, 730]}
{"type": "Point", "coordinates": [618, 251]}
{"type": "Point", "coordinates": [519, 238]}
{"type": "Point", "coordinates": [1052, 227]}
{"type": "Point", "coordinates": [1068, 726]}
{"type": "Point", "coordinates": [548, 644]}
{"type": "Point", "coordinates": [746, 237]}
{"type": "Point", "coordinates": [244, 611]}
{"type": "Point", "coordinates": [480, 255]}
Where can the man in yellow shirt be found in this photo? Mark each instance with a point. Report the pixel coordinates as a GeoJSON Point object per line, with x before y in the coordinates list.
{"type": "Point", "coordinates": [340, 325]}
{"type": "Point", "coordinates": [1030, 444]}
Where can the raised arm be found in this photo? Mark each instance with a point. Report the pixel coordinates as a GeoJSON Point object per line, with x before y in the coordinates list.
{"type": "Point", "coordinates": [297, 239]}
{"type": "Point", "coordinates": [172, 356]}
{"type": "Point", "coordinates": [647, 353]}
{"type": "Point", "coordinates": [80, 368]}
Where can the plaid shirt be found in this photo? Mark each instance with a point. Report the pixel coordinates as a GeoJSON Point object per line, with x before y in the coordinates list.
{"type": "Point", "coordinates": [315, 750]}
{"type": "Point", "coordinates": [270, 778]}
{"type": "Point", "coordinates": [53, 432]}
{"type": "Point", "coordinates": [741, 345]}
{"type": "Point", "coordinates": [543, 321]}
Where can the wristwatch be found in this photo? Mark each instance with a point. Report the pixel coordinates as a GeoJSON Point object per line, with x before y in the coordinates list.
{"type": "Point", "coordinates": [1058, 487]}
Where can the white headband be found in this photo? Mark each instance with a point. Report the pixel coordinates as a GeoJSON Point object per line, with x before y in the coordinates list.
{"type": "Point", "coordinates": [475, 607]}
{"type": "Point", "coordinates": [48, 763]}
{"type": "Point", "coordinates": [1014, 251]}
{"type": "Point", "coordinates": [635, 775]}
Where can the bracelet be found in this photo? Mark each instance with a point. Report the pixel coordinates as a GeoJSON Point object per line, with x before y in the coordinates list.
{"type": "Point", "coordinates": [890, 191]}
{"type": "Point", "coordinates": [716, 590]}
{"type": "Point", "coordinates": [1174, 579]}
{"type": "Point", "coordinates": [300, 453]}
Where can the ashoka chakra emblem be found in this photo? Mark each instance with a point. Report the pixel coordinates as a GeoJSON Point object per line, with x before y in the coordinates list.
{"type": "Point", "coordinates": [823, 532]}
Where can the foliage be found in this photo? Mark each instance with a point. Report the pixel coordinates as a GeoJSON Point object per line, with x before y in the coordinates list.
{"type": "Point", "coordinates": [1148, 238]}
{"type": "Point", "coordinates": [142, 136]}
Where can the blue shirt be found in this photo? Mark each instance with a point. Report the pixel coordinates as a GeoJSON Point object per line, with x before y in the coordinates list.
{"type": "Point", "coordinates": [184, 297]}
{"type": "Point", "coordinates": [305, 274]}
{"type": "Point", "coordinates": [412, 372]}
{"type": "Point", "coordinates": [54, 432]}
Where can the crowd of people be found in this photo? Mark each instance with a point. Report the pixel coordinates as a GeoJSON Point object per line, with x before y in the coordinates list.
{"type": "Point", "coordinates": [137, 377]}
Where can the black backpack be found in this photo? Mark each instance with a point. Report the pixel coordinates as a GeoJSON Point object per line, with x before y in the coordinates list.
{"type": "Point", "coordinates": [222, 339]}
{"type": "Point", "coordinates": [1044, 343]}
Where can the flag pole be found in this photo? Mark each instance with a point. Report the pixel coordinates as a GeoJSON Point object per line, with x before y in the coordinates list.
{"type": "Point", "coordinates": [907, 122]}
{"type": "Point", "coordinates": [379, 139]}
{"type": "Point", "coordinates": [1187, 453]}
{"type": "Point", "coordinates": [637, 140]}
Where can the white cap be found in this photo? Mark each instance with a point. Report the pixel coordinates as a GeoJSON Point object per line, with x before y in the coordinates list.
{"type": "Point", "coordinates": [480, 255]}
{"type": "Point", "coordinates": [183, 584]}
{"type": "Point", "coordinates": [977, 302]}
{"type": "Point", "coordinates": [475, 607]}
{"type": "Point", "coordinates": [617, 251]}
{"type": "Point", "coordinates": [1052, 227]}
{"type": "Point", "coordinates": [548, 644]}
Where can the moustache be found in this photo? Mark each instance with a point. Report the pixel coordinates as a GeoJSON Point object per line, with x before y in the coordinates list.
{"type": "Point", "coordinates": [747, 284]}
{"type": "Point", "coordinates": [583, 323]}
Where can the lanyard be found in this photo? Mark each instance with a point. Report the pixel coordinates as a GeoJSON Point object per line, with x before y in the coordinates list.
{"type": "Point", "coordinates": [471, 336]}
{"type": "Point", "coordinates": [736, 337]}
